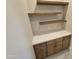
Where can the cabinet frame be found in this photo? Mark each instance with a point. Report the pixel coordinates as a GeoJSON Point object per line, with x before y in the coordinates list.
{"type": "Point", "coordinates": [55, 44]}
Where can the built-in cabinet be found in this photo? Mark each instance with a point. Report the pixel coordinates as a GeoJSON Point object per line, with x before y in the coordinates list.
{"type": "Point", "coordinates": [43, 50]}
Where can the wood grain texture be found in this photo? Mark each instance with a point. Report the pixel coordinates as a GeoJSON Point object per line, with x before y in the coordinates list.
{"type": "Point", "coordinates": [40, 51]}
{"type": "Point", "coordinates": [52, 47]}
{"type": "Point", "coordinates": [58, 45]}
{"type": "Point", "coordinates": [66, 42]}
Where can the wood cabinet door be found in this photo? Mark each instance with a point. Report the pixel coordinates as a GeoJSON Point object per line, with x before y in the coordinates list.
{"type": "Point", "coordinates": [54, 46]}
{"type": "Point", "coordinates": [40, 51]}
{"type": "Point", "coordinates": [51, 47]}
{"type": "Point", "coordinates": [66, 42]}
{"type": "Point", "coordinates": [58, 45]}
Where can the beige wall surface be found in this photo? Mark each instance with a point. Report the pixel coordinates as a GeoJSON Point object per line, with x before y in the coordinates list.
{"type": "Point", "coordinates": [19, 35]}
{"type": "Point", "coordinates": [31, 4]}
{"type": "Point", "coordinates": [69, 17]}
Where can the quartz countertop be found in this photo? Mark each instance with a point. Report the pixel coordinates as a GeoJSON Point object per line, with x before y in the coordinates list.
{"type": "Point", "coordinates": [50, 36]}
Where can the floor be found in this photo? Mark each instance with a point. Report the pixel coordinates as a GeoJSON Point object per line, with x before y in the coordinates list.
{"type": "Point", "coordinates": [66, 54]}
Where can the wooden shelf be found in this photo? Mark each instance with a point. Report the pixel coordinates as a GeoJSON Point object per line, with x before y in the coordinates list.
{"type": "Point", "coordinates": [46, 2]}
{"type": "Point", "coordinates": [49, 22]}
{"type": "Point", "coordinates": [44, 13]}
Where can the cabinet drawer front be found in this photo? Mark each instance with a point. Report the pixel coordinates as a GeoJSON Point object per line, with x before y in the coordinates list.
{"type": "Point", "coordinates": [51, 42]}
{"type": "Point", "coordinates": [67, 37]}
{"type": "Point", "coordinates": [55, 41]}
{"type": "Point", "coordinates": [40, 45]}
{"type": "Point", "coordinates": [59, 41]}
{"type": "Point", "coordinates": [40, 51]}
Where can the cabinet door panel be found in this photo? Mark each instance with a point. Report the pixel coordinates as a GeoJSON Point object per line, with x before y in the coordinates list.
{"type": "Point", "coordinates": [40, 51]}
{"type": "Point", "coordinates": [51, 42]}
{"type": "Point", "coordinates": [51, 49]}
{"type": "Point", "coordinates": [54, 46]}
{"type": "Point", "coordinates": [66, 42]}
{"type": "Point", "coordinates": [59, 45]}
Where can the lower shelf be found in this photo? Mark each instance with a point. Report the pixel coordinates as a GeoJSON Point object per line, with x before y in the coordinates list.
{"type": "Point", "coordinates": [49, 22]}
{"type": "Point", "coordinates": [51, 47]}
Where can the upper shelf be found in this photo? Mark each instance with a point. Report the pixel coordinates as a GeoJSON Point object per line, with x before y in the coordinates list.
{"type": "Point", "coordinates": [50, 2]}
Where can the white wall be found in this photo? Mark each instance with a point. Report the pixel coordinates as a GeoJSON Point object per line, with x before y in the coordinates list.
{"type": "Point", "coordinates": [19, 34]}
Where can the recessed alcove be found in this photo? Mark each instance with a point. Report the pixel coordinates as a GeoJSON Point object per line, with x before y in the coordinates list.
{"type": "Point", "coordinates": [48, 18]}
{"type": "Point", "coordinates": [43, 23]}
{"type": "Point", "coordinates": [48, 26]}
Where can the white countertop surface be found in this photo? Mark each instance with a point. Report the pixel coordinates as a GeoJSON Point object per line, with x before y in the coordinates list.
{"type": "Point", "coordinates": [50, 36]}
